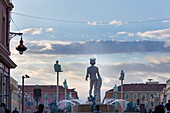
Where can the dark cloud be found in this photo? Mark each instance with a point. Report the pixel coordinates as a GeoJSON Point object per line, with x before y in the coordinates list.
{"type": "Point", "coordinates": [100, 47]}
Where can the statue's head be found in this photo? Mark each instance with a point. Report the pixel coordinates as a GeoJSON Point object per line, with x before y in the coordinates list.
{"type": "Point", "coordinates": [92, 61]}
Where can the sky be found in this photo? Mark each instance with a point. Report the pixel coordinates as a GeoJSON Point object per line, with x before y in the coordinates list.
{"type": "Point", "coordinates": [129, 35]}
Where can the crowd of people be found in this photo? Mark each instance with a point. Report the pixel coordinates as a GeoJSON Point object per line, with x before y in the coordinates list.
{"type": "Point", "coordinates": [3, 109]}
{"type": "Point", "coordinates": [158, 109]}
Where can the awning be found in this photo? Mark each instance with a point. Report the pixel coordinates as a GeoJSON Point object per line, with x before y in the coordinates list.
{"type": "Point", "coordinates": [8, 62]}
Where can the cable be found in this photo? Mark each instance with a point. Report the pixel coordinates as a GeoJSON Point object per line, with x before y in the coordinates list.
{"type": "Point", "coordinates": [15, 25]}
{"type": "Point", "coordinates": [69, 21]}
{"type": "Point", "coordinates": [83, 22]}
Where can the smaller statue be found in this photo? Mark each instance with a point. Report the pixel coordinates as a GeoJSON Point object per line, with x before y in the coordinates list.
{"type": "Point", "coordinates": [93, 104]}
{"type": "Point", "coordinates": [53, 107]}
{"type": "Point", "coordinates": [57, 67]}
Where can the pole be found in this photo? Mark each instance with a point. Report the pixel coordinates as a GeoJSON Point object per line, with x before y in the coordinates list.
{"type": "Point", "coordinates": [121, 89]}
{"type": "Point", "coordinates": [23, 94]}
{"type": "Point", "coordinates": [65, 93]}
{"type": "Point", "coordinates": [19, 100]}
{"type": "Point", "coordinates": [57, 95]}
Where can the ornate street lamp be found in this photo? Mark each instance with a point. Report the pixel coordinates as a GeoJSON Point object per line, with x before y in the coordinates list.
{"type": "Point", "coordinates": [21, 47]}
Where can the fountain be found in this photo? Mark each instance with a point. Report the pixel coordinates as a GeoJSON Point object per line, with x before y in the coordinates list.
{"type": "Point", "coordinates": [75, 105]}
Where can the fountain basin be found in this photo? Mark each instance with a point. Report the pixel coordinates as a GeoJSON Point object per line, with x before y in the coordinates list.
{"type": "Point", "coordinates": [86, 108]}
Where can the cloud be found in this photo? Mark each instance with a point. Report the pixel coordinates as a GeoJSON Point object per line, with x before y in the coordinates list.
{"type": "Point", "coordinates": [33, 31]}
{"type": "Point", "coordinates": [158, 60]}
{"type": "Point", "coordinates": [117, 22]}
{"type": "Point", "coordinates": [94, 23]}
{"type": "Point", "coordinates": [49, 30]}
{"type": "Point", "coordinates": [166, 21]}
{"type": "Point", "coordinates": [157, 34]}
{"type": "Point", "coordinates": [95, 47]}
{"type": "Point", "coordinates": [125, 33]}
{"type": "Point", "coordinates": [167, 43]}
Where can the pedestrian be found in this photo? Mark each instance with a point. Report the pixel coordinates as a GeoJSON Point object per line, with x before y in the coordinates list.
{"type": "Point", "coordinates": [6, 110]}
{"type": "Point", "coordinates": [167, 106]}
{"type": "Point", "coordinates": [15, 111]}
{"type": "Point", "coordinates": [159, 109]}
{"type": "Point", "coordinates": [97, 109]}
{"type": "Point", "coordinates": [2, 109]}
{"type": "Point", "coordinates": [40, 108]}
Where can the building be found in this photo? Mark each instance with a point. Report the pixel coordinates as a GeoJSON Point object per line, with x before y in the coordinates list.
{"type": "Point", "coordinates": [148, 93]}
{"type": "Point", "coordinates": [48, 94]}
{"type": "Point", "coordinates": [5, 62]}
{"type": "Point", "coordinates": [14, 93]}
{"type": "Point", "coordinates": [167, 90]}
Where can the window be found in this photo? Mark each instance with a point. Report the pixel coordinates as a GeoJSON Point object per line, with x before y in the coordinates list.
{"type": "Point", "coordinates": [135, 96]}
{"type": "Point", "coordinates": [29, 104]}
{"type": "Point", "coordinates": [45, 103]}
{"type": "Point", "coordinates": [114, 96]}
{"type": "Point", "coordinates": [143, 96]}
{"type": "Point", "coordinates": [151, 104]}
{"type": "Point", "coordinates": [151, 96]}
{"type": "Point", "coordinates": [46, 96]}
{"type": "Point", "coordinates": [28, 96]}
{"type": "Point", "coordinates": [28, 111]}
{"type": "Point", "coordinates": [127, 96]}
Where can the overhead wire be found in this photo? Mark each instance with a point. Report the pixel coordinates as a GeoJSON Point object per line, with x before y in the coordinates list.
{"type": "Point", "coordinates": [83, 22]}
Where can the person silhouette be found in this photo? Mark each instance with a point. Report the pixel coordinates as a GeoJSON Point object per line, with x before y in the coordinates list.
{"type": "Point", "coordinates": [40, 108]}
{"type": "Point", "coordinates": [15, 111]}
{"type": "Point", "coordinates": [97, 109]}
{"type": "Point", "coordinates": [167, 106]}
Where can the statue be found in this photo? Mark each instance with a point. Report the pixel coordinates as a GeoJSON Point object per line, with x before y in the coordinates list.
{"type": "Point", "coordinates": [53, 107]}
{"type": "Point", "coordinates": [57, 67]}
{"type": "Point", "coordinates": [95, 81]}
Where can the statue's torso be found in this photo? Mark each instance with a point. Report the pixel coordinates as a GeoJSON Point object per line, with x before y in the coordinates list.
{"type": "Point", "coordinates": [92, 70]}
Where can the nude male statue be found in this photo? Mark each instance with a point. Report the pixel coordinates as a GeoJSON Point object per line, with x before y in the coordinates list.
{"type": "Point", "coordinates": [95, 81]}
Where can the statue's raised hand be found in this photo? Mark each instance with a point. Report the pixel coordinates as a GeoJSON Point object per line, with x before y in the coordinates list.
{"type": "Point", "coordinates": [86, 79]}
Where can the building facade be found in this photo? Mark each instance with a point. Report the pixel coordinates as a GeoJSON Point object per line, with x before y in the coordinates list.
{"type": "Point", "coordinates": [5, 62]}
{"type": "Point", "coordinates": [167, 90]}
{"type": "Point", "coordinates": [48, 94]}
{"type": "Point", "coordinates": [148, 93]}
{"type": "Point", "coordinates": [14, 93]}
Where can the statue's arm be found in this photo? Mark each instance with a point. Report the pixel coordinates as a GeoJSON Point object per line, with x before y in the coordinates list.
{"type": "Point", "coordinates": [98, 74]}
{"type": "Point", "coordinates": [87, 75]}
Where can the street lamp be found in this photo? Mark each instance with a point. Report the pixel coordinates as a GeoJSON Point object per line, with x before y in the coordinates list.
{"type": "Point", "coordinates": [21, 47]}
{"type": "Point", "coordinates": [57, 68]}
{"type": "Point", "coordinates": [23, 77]}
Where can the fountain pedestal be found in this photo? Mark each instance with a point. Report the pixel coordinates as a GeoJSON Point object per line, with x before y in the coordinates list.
{"type": "Point", "coordinates": [86, 108]}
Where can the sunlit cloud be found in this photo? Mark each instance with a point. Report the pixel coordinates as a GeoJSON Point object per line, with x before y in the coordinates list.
{"type": "Point", "coordinates": [117, 22]}
{"type": "Point", "coordinates": [49, 30]}
{"type": "Point", "coordinates": [33, 31]}
{"type": "Point", "coordinates": [157, 34]}
{"type": "Point", "coordinates": [166, 21]}
{"type": "Point", "coordinates": [125, 33]}
{"type": "Point", "coordinates": [157, 60]}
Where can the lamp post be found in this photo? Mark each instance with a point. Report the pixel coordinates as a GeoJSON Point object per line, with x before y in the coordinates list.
{"type": "Point", "coordinates": [121, 78]}
{"type": "Point", "coordinates": [23, 77]}
{"type": "Point", "coordinates": [57, 68]}
{"type": "Point", "coordinates": [65, 86]}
